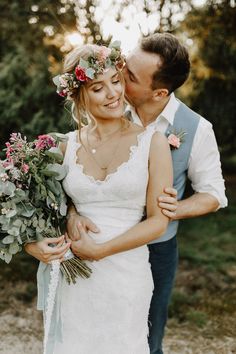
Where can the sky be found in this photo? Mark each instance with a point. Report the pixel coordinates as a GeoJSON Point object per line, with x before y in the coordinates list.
{"type": "Point", "coordinates": [127, 31]}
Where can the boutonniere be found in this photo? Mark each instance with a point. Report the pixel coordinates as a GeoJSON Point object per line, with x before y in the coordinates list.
{"type": "Point", "coordinates": [175, 139]}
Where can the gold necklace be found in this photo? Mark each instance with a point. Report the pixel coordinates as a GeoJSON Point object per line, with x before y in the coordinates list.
{"type": "Point", "coordinates": [104, 168]}
{"type": "Point", "coordinates": [108, 137]}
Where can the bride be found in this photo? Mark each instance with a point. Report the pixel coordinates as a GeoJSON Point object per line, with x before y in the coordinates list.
{"type": "Point", "coordinates": [115, 168]}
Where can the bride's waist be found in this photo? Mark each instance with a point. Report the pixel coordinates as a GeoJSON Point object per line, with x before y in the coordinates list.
{"type": "Point", "coordinates": [120, 218]}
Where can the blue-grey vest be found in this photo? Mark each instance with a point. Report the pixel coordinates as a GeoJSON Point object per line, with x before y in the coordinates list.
{"type": "Point", "coordinates": [185, 120]}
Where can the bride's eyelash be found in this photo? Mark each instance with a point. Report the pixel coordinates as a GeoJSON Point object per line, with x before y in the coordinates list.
{"type": "Point", "coordinates": [97, 89]}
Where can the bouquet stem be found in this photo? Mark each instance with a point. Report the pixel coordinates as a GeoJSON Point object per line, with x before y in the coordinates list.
{"type": "Point", "coordinates": [74, 267]}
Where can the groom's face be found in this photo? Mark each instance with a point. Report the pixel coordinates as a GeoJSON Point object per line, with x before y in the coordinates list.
{"type": "Point", "coordinates": [138, 74]}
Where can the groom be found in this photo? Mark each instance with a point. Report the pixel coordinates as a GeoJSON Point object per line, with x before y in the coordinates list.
{"type": "Point", "coordinates": [154, 70]}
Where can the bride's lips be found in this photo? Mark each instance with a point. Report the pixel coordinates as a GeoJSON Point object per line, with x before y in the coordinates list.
{"type": "Point", "coordinates": [113, 105]}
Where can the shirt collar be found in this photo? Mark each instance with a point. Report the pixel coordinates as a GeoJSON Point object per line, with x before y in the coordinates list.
{"type": "Point", "coordinates": [168, 112]}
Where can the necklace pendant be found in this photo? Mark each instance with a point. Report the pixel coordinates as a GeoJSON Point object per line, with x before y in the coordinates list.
{"type": "Point", "coordinates": [94, 151]}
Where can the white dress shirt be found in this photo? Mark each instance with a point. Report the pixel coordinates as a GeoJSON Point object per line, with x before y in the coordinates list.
{"type": "Point", "coordinates": [204, 167]}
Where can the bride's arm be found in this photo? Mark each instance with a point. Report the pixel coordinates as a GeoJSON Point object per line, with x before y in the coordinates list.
{"type": "Point", "coordinates": [160, 175]}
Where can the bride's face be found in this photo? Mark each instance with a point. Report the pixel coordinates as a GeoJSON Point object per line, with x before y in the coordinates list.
{"type": "Point", "coordinates": [106, 95]}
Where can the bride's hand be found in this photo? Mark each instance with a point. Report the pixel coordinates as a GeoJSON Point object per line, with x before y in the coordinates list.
{"type": "Point", "coordinates": [85, 247]}
{"type": "Point", "coordinates": [73, 220]}
{"type": "Point", "coordinates": [44, 252]}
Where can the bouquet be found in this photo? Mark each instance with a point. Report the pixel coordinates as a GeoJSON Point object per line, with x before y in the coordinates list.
{"type": "Point", "coordinates": [32, 200]}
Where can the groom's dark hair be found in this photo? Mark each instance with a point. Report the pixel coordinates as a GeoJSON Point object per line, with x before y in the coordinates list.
{"type": "Point", "coordinates": [175, 66]}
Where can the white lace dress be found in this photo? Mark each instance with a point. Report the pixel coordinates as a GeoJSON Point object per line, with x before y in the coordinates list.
{"type": "Point", "coordinates": [108, 313]}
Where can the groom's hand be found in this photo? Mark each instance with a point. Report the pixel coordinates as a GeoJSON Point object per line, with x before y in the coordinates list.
{"type": "Point", "coordinates": [73, 230]}
{"type": "Point", "coordinates": [168, 204]}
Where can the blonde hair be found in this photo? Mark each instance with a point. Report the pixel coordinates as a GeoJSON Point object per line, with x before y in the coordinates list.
{"type": "Point", "coordinates": [80, 106]}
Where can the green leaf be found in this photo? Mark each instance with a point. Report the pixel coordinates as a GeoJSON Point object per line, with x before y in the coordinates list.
{"type": "Point", "coordinates": [59, 136]}
{"type": "Point", "coordinates": [17, 223]}
{"type": "Point", "coordinates": [52, 196]}
{"type": "Point", "coordinates": [55, 153]}
{"type": "Point", "coordinates": [11, 213]}
{"type": "Point", "coordinates": [83, 63]}
{"type": "Point", "coordinates": [8, 239]}
{"type": "Point", "coordinates": [90, 73]}
{"type": "Point", "coordinates": [61, 170]}
{"type": "Point", "coordinates": [63, 209]}
{"type": "Point", "coordinates": [55, 80]}
{"type": "Point", "coordinates": [115, 44]}
{"type": "Point", "coordinates": [14, 248]}
{"type": "Point", "coordinates": [28, 211]}
{"type": "Point", "coordinates": [8, 188]}
{"type": "Point", "coordinates": [41, 223]}
{"type": "Point", "coordinates": [49, 173]}
{"type": "Point", "coordinates": [8, 258]}
{"type": "Point", "coordinates": [14, 231]}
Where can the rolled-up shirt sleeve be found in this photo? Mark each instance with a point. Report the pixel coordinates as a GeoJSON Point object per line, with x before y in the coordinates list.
{"type": "Point", "coordinates": [204, 170]}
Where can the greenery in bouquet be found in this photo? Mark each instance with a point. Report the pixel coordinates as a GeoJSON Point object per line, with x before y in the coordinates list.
{"type": "Point", "coordinates": [32, 200]}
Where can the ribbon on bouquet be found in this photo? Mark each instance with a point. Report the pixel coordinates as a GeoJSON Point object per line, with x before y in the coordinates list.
{"type": "Point", "coordinates": [51, 297]}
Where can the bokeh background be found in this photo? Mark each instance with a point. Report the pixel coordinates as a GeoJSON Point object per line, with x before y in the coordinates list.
{"type": "Point", "coordinates": [35, 35]}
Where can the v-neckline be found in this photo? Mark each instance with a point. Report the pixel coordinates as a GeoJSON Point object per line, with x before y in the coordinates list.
{"type": "Point", "coordinates": [132, 149]}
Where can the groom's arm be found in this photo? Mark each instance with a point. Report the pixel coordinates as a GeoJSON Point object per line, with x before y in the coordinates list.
{"type": "Point", "coordinates": [205, 174]}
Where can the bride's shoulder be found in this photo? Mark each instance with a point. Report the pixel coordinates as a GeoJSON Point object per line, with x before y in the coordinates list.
{"type": "Point", "coordinates": [63, 145]}
{"type": "Point", "coordinates": [134, 129]}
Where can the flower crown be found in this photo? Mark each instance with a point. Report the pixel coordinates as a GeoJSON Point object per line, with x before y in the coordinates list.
{"type": "Point", "coordinates": [97, 63]}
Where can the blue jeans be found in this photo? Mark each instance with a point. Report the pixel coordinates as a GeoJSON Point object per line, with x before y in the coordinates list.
{"type": "Point", "coordinates": [164, 261]}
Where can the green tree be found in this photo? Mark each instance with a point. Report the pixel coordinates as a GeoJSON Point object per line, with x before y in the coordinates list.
{"type": "Point", "coordinates": [32, 33]}
{"type": "Point", "coordinates": [212, 29]}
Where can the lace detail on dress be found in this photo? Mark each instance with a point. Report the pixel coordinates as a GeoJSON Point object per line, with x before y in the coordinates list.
{"type": "Point", "coordinates": [75, 145]}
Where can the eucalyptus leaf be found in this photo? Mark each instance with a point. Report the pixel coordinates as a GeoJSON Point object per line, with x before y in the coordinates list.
{"type": "Point", "coordinates": [49, 173]}
{"type": "Point", "coordinates": [28, 211]}
{"type": "Point", "coordinates": [61, 170]}
{"type": "Point", "coordinates": [83, 63]}
{"type": "Point", "coordinates": [8, 257]}
{"type": "Point", "coordinates": [8, 188]}
{"type": "Point", "coordinates": [55, 153]}
{"type": "Point", "coordinates": [14, 248]}
{"type": "Point", "coordinates": [90, 73]}
{"type": "Point", "coordinates": [59, 136]}
{"type": "Point", "coordinates": [41, 223]}
{"type": "Point", "coordinates": [8, 239]}
{"type": "Point", "coordinates": [63, 209]}
{"type": "Point", "coordinates": [17, 222]}
{"type": "Point", "coordinates": [56, 80]}
{"type": "Point", "coordinates": [11, 213]}
{"type": "Point", "coordinates": [115, 44]}
{"type": "Point", "coordinates": [14, 231]}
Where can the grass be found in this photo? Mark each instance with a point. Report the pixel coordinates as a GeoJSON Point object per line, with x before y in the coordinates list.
{"type": "Point", "coordinates": [205, 285]}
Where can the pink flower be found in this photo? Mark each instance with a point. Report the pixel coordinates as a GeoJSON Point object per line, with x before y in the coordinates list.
{"type": "Point", "coordinates": [103, 53]}
{"type": "Point", "coordinates": [14, 136]}
{"type": "Point", "coordinates": [44, 142]}
{"type": "Point", "coordinates": [62, 93]}
{"type": "Point", "coordinates": [25, 168]}
{"type": "Point", "coordinates": [174, 141]}
{"type": "Point", "coordinates": [80, 74]}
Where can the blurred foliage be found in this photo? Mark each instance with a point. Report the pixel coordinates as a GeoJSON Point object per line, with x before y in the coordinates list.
{"type": "Point", "coordinates": [31, 37]}
{"type": "Point", "coordinates": [33, 41]}
{"type": "Point", "coordinates": [212, 29]}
